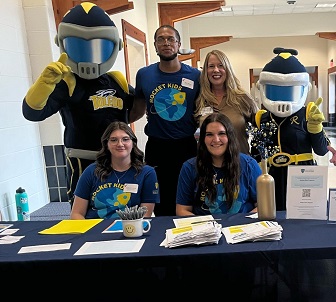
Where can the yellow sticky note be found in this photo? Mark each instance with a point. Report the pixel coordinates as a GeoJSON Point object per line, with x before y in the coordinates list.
{"type": "Point", "coordinates": [71, 226]}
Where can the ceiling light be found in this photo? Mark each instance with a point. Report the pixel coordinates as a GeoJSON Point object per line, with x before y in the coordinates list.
{"type": "Point", "coordinates": [226, 8]}
{"type": "Point", "coordinates": [325, 5]}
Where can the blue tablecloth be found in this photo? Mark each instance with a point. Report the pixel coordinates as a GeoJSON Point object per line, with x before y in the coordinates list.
{"type": "Point", "coordinates": [299, 266]}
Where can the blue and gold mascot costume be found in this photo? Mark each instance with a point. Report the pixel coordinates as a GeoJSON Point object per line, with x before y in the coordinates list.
{"type": "Point", "coordinates": [284, 85]}
{"type": "Point", "coordinates": [80, 86]}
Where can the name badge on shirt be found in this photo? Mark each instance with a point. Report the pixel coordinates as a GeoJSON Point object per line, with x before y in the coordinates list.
{"type": "Point", "coordinates": [187, 83]}
{"type": "Point", "coordinates": [131, 188]}
{"type": "Point", "coordinates": [206, 110]}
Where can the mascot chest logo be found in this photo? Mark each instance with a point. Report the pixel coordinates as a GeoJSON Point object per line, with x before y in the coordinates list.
{"type": "Point", "coordinates": [106, 99]}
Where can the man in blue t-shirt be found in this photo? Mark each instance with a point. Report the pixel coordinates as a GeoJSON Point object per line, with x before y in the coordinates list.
{"type": "Point", "coordinates": [168, 90]}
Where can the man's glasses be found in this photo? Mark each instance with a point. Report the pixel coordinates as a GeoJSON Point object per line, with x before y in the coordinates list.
{"type": "Point", "coordinates": [125, 140]}
{"type": "Point", "coordinates": [162, 40]}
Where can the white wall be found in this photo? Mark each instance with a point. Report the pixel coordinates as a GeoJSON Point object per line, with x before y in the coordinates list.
{"type": "Point", "coordinates": [27, 31]}
{"type": "Point", "coordinates": [21, 161]}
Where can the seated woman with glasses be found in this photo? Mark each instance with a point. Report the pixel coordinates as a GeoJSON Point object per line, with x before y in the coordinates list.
{"type": "Point", "coordinates": [118, 178]}
{"type": "Point", "coordinates": [219, 179]}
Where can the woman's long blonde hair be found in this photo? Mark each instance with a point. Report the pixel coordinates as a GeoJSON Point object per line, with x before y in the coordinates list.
{"type": "Point", "coordinates": [236, 96]}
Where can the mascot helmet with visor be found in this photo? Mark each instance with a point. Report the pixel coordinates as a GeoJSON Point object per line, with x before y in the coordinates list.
{"type": "Point", "coordinates": [284, 83]}
{"type": "Point", "coordinates": [90, 39]}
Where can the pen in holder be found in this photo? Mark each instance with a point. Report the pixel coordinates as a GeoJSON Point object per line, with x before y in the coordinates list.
{"type": "Point", "coordinates": [132, 221]}
{"type": "Point", "coordinates": [132, 213]}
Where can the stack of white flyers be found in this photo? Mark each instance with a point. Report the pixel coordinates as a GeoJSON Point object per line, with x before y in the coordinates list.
{"type": "Point", "coordinates": [257, 231]}
{"type": "Point", "coordinates": [203, 233]}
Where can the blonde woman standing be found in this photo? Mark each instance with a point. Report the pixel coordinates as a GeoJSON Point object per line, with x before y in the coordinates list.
{"type": "Point", "coordinates": [221, 91]}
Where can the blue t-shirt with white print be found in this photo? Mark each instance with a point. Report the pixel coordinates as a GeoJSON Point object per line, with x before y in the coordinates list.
{"type": "Point", "coordinates": [244, 203]}
{"type": "Point", "coordinates": [112, 194]}
{"type": "Point", "coordinates": [170, 100]}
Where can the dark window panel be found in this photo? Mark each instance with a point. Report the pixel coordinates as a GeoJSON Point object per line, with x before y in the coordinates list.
{"type": "Point", "coordinates": [60, 156]}
{"type": "Point", "coordinates": [64, 195]}
{"type": "Point", "coordinates": [52, 177]}
{"type": "Point", "coordinates": [62, 176]}
{"type": "Point", "coordinates": [49, 155]}
{"type": "Point", "coordinates": [54, 195]}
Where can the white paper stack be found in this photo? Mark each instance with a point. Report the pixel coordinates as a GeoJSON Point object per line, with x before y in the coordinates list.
{"type": "Point", "coordinates": [257, 231]}
{"type": "Point", "coordinates": [197, 234]}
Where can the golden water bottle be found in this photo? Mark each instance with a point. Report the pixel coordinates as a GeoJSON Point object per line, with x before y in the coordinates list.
{"type": "Point", "coordinates": [266, 194]}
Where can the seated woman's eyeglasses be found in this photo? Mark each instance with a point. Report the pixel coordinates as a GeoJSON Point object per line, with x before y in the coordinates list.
{"type": "Point", "coordinates": [162, 40]}
{"type": "Point", "coordinates": [125, 140]}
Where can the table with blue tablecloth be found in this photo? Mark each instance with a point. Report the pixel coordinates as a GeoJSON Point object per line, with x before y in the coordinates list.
{"type": "Point", "coordinates": [299, 267]}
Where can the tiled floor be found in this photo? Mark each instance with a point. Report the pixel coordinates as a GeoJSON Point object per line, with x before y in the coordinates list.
{"type": "Point", "coordinates": [324, 160]}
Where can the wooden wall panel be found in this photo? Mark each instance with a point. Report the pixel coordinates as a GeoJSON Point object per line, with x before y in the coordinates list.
{"type": "Point", "coordinates": [60, 7]}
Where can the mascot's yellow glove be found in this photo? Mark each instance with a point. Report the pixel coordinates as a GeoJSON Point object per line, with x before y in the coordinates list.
{"type": "Point", "coordinates": [314, 117]}
{"type": "Point", "coordinates": [38, 94]}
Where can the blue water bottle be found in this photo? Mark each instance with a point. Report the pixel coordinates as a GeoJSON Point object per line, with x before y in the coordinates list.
{"type": "Point", "coordinates": [21, 199]}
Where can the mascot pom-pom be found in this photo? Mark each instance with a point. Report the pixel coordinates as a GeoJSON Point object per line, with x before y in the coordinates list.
{"type": "Point", "coordinates": [80, 86]}
{"type": "Point", "coordinates": [297, 130]}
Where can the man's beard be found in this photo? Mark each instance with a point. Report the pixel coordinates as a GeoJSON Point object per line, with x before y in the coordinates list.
{"type": "Point", "coordinates": [165, 58]}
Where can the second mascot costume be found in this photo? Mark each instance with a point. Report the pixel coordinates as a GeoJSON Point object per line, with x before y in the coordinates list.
{"type": "Point", "coordinates": [284, 85]}
{"type": "Point", "coordinates": [80, 86]}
